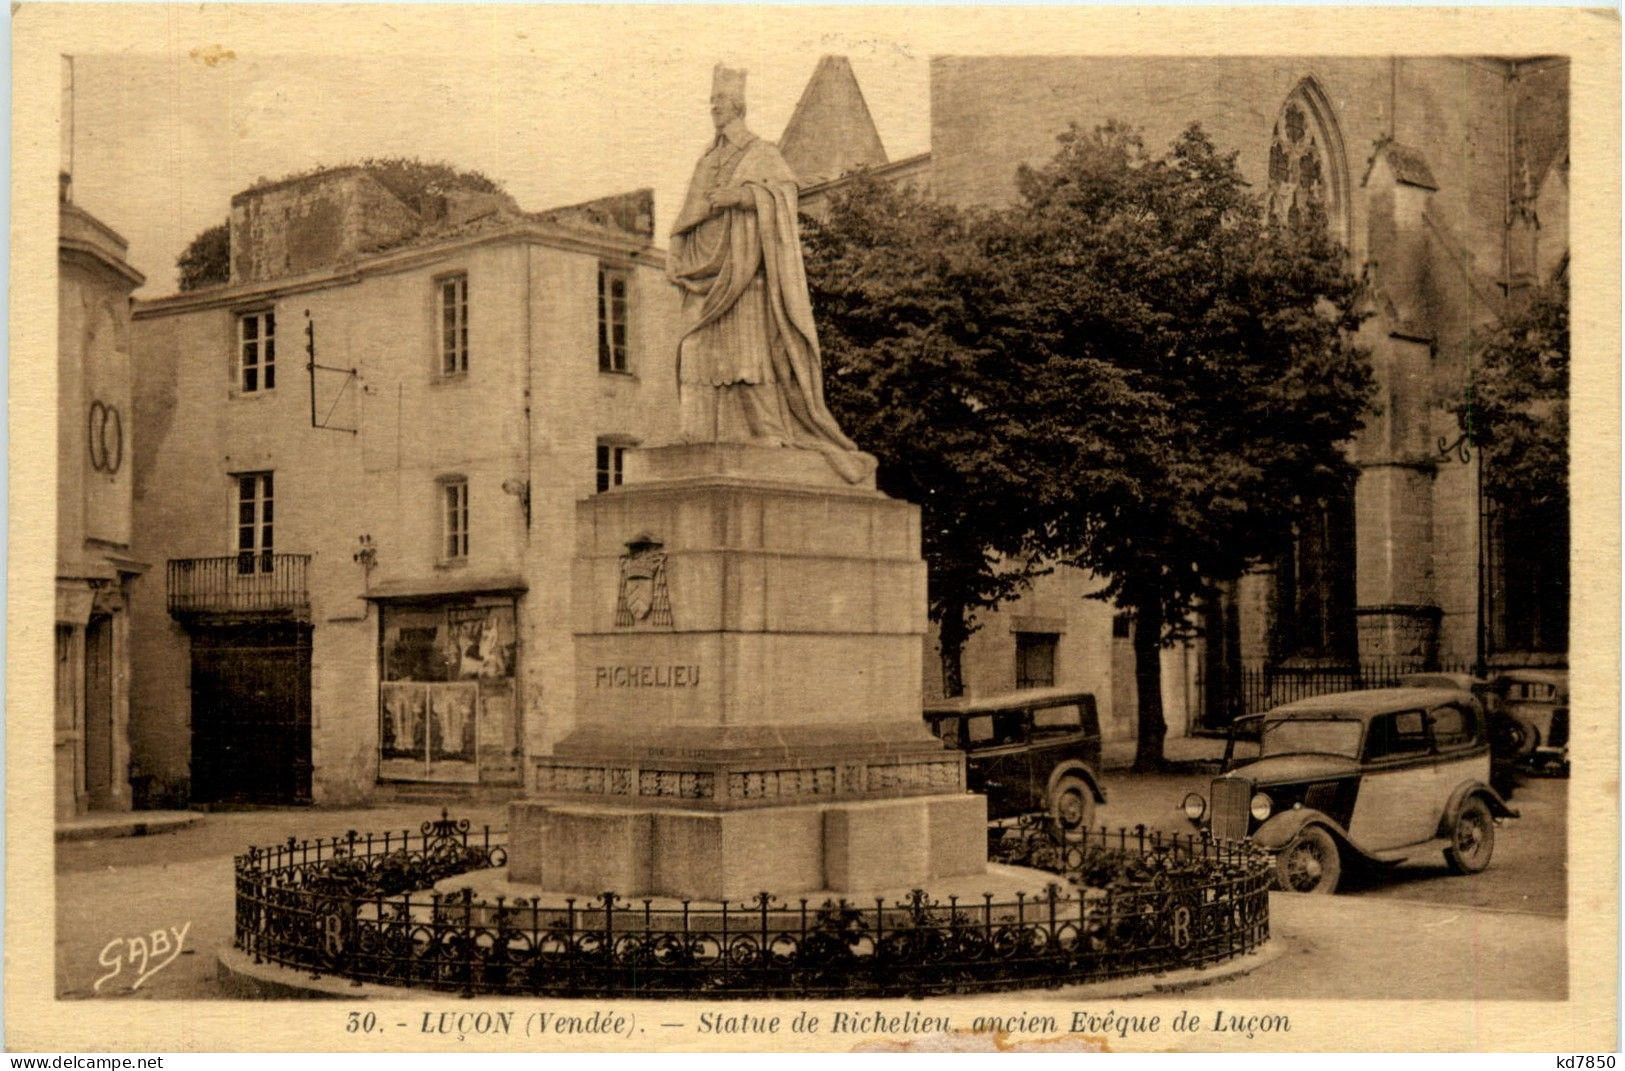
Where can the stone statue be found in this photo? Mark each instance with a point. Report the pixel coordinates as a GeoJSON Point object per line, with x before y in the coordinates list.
{"type": "Point", "coordinates": [748, 366]}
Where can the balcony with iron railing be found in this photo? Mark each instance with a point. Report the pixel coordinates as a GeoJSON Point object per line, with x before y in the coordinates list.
{"type": "Point", "coordinates": [256, 583]}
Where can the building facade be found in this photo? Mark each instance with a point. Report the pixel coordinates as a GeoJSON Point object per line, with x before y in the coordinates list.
{"type": "Point", "coordinates": [1446, 179]}
{"type": "Point", "coordinates": [97, 574]}
{"type": "Point", "coordinates": [359, 468]}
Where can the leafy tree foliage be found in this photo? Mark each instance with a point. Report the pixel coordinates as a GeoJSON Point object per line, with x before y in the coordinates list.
{"type": "Point", "coordinates": [1517, 408]}
{"type": "Point", "coordinates": [1236, 383]}
{"type": "Point", "coordinates": [1130, 370]}
{"type": "Point", "coordinates": [207, 261]}
{"type": "Point", "coordinates": [921, 337]}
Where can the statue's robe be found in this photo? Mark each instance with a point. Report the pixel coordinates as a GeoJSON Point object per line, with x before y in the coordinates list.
{"type": "Point", "coordinates": [748, 320]}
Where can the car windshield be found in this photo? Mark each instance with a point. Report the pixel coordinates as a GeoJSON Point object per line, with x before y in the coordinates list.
{"type": "Point", "coordinates": [1329, 736]}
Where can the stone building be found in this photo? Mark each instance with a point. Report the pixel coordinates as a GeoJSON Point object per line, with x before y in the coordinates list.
{"type": "Point", "coordinates": [1446, 178]}
{"type": "Point", "coordinates": [359, 467]}
{"type": "Point", "coordinates": [96, 571]}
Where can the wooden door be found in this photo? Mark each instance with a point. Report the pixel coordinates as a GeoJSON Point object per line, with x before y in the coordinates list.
{"type": "Point", "coordinates": [99, 773]}
{"type": "Point", "coordinates": [251, 714]}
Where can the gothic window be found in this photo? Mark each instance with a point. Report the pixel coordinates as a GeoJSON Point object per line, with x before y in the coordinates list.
{"type": "Point", "coordinates": [1529, 579]}
{"type": "Point", "coordinates": [1314, 611]}
{"type": "Point", "coordinates": [1306, 163]}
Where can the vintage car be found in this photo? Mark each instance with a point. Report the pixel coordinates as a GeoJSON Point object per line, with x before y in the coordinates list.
{"type": "Point", "coordinates": [1535, 703]}
{"type": "Point", "coordinates": [1035, 750]}
{"type": "Point", "coordinates": [1373, 777]}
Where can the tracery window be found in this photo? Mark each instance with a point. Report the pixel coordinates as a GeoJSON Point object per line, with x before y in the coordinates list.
{"type": "Point", "coordinates": [1306, 163]}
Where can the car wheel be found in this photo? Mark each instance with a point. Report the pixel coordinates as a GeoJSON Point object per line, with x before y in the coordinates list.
{"type": "Point", "coordinates": [1072, 805]}
{"type": "Point", "coordinates": [1521, 738]}
{"type": "Point", "coordinates": [1472, 841]}
{"type": "Point", "coordinates": [1310, 864]}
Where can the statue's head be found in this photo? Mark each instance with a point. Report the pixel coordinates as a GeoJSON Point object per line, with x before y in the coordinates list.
{"type": "Point", "coordinates": [727, 95]}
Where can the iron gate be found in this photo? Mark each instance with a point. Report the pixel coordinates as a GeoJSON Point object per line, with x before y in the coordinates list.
{"type": "Point", "coordinates": [251, 714]}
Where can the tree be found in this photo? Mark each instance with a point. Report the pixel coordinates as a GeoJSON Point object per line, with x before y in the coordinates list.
{"type": "Point", "coordinates": [1515, 412]}
{"type": "Point", "coordinates": [1516, 409]}
{"type": "Point", "coordinates": [207, 261]}
{"type": "Point", "coordinates": [1223, 342]}
{"type": "Point", "coordinates": [918, 331]}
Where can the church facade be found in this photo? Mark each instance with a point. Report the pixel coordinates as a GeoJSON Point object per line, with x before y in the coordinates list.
{"type": "Point", "coordinates": [1447, 181]}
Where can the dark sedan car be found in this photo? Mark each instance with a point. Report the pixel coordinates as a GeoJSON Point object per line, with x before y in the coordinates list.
{"type": "Point", "coordinates": [1036, 750]}
{"type": "Point", "coordinates": [1374, 777]}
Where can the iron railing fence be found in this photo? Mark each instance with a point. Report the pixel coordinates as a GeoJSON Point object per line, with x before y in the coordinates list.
{"type": "Point", "coordinates": [1135, 902]}
{"type": "Point", "coordinates": [1265, 686]}
{"type": "Point", "coordinates": [247, 583]}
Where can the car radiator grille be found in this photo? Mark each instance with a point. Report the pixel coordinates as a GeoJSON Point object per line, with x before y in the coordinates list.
{"type": "Point", "coordinates": [1558, 735]}
{"type": "Point", "coordinates": [1231, 797]}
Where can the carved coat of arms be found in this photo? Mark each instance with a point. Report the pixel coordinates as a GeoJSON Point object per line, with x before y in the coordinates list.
{"type": "Point", "coordinates": [643, 598]}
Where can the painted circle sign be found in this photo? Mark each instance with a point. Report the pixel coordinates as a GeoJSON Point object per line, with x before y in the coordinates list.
{"type": "Point", "coordinates": [106, 430]}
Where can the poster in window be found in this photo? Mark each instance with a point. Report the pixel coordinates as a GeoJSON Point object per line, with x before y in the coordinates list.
{"type": "Point", "coordinates": [402, 710]}
{"type": "Point", "coordinates": [452, 709]}
{"type": "Point", "coordinates": [498, 735]}
{"type": "Point", "coordinates": [441, 665]}
{"type": "Point", "coordinates": [416, 645]}
{"type": "Point", "coordinates": [482, 641]}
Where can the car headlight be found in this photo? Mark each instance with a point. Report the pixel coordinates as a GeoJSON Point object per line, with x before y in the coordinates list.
{"type": "Point", "coordinates": [1195, 806]}
{"type": "Point", "coordinates": [1261, 806]}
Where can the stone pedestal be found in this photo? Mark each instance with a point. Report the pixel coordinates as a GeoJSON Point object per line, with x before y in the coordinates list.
{"type": "Point", "coordinates": [749, 635]}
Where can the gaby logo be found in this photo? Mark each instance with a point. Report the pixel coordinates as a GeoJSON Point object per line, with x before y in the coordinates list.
{"type": "Point", "coordinates": [145, 954]}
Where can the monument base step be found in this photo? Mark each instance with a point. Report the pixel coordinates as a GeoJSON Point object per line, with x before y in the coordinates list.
{"type": "Point", "coordinates": [839, 847]}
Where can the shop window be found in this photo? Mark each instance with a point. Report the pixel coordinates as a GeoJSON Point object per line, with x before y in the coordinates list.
{"type": "Point", "coordinates": [446, 702]}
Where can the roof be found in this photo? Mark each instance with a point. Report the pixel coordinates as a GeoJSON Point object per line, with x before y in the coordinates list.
{"type": "Point", "coordinates": [1026, 697]}
{"type": "Point", "coordinates": [80, 232]}
{"type": "Point", "coordinates": [1371, 702]}
{"type": "Point", "coordinates": [623, 216]}
{"type": "Point", "coordinates": [445, 586]}
{"type": "Point", "coordinates": [1408, 165]}
{"type": "Point", "coordinates": [831, 131]}
{"type": "Point", "coordinates": [896, 170]}
{"type": "Point", "coordinates": [1465, 681]}
{"type": "Point", "coordinates": [1559, 677]}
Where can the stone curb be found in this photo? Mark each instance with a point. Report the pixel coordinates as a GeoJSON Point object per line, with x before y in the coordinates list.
{"type": "Point", "coordinates": [127, 824]}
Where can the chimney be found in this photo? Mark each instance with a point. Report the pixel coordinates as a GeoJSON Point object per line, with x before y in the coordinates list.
{"type": "Point", "coordinates": [312, 222]}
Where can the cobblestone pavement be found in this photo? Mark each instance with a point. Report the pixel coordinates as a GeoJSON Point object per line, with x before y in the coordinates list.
{"type": "Point", "coordinates": [128, 888]}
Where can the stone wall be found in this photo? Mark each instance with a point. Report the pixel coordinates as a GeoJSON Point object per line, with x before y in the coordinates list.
{"type": "Point", "coordinates": [95, 573]}
{"type": "Point", "coordinates": [1429, 176]}
{"type": "Point", "coordinates": [305, 224]}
